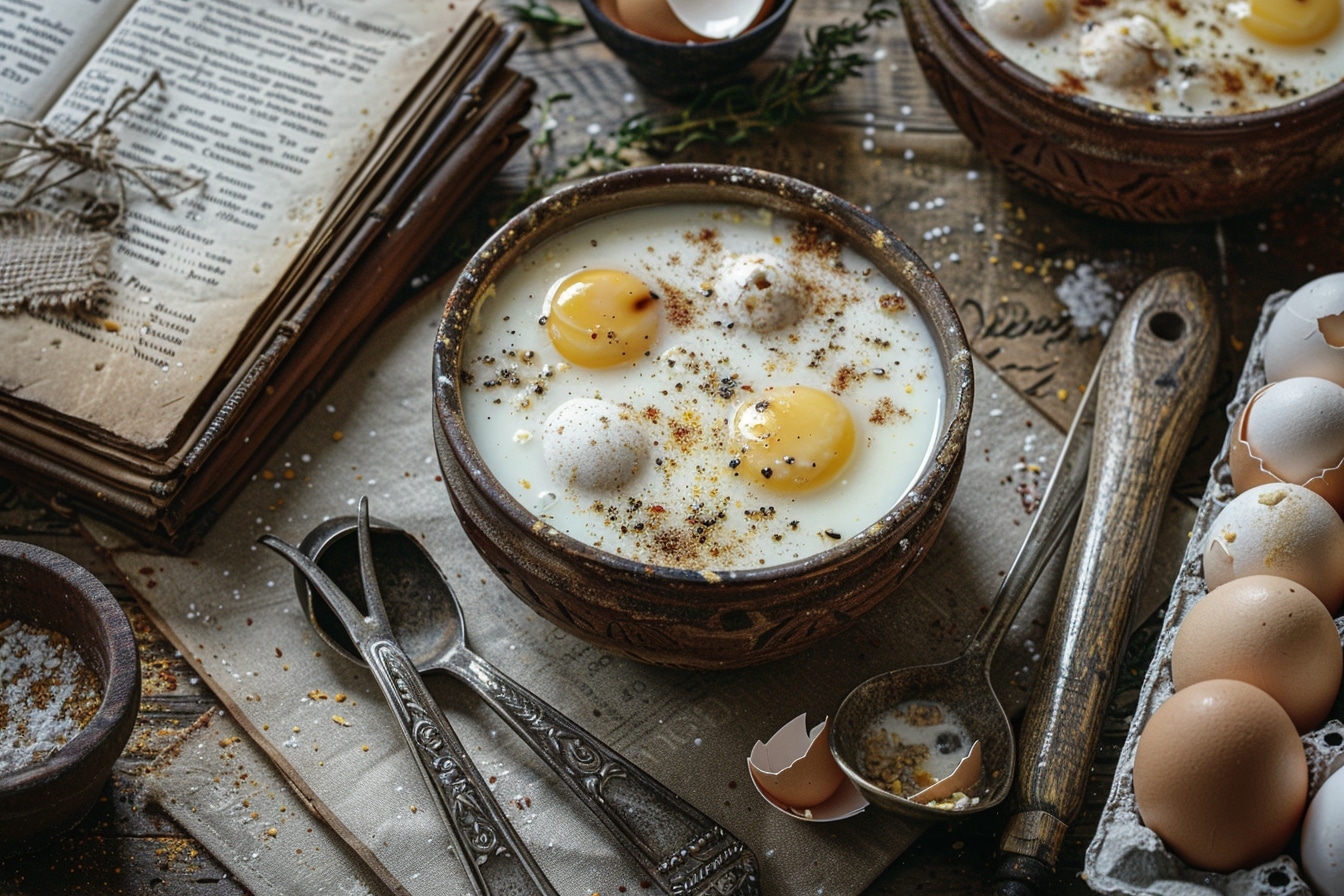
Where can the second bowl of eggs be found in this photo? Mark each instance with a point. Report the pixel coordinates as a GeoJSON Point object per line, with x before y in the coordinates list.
{"type": "Point", "coordinates": [704, 416]}
{"type": "Point", "coordinates": [1144, 111]}
{"type": "Point", "coordinates": [670, 58]}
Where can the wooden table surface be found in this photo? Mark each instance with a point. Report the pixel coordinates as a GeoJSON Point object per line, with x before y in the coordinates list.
{"type": "Point", "coordinates": [884, 143]}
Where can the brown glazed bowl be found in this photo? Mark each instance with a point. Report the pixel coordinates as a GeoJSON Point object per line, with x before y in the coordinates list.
{"type": "Point", "coordinates": [1127, 165]}
{"type": "Point", "coordinates": [45, 798]}
{"type": "Point", "coordinates": [686, 617]}
{"type": "Point", "coordinates": [676, 69]}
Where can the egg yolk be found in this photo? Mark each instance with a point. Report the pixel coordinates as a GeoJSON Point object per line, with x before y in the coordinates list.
{"type": "Point", "coordinates": [1291, 21]}
{"type": "Point", "coordinates": [599, 318]}
{"type": "Point", "coordinates": [793, 439]}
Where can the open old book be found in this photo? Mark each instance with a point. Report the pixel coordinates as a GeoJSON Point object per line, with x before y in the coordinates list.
{"type": "Point", "coordinates": [333, 139]}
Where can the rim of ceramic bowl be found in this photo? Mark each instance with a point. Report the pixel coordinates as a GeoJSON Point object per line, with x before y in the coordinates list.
{"type": "Point", "coordinates": [780, 9]}
{"type": "Point", "coordinates": [120, 685]}
{"type": "Point", "coordinates": [694, 183]}
{"type": "Point", "coordinates": [1101, 113]}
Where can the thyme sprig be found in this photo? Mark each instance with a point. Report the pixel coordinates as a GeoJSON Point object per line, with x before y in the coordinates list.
{"type": "Point", "coordinates": [543, 20]}
{"type": "Point", "coordinates": [724, 116]}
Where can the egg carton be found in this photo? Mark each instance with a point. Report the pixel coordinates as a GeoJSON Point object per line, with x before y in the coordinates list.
{"type": "Point", "coordinates": [1125, 858]}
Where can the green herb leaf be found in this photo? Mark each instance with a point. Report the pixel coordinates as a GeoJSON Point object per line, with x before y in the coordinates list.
{"type": "Point", "coordinates": [543, 21]}
{"type": "Point", "coordinates": [728, 115]}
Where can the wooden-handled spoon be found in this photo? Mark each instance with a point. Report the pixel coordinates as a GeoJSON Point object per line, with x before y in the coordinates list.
{"type": "Point", "coordinates": [1152, 391]}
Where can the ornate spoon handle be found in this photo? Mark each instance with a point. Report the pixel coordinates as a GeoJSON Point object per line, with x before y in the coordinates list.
{"type": "Point", "coordinates": [489, 846]}
{"type": "Point", "coordinates": [491, 852]}
{"type": "Point", "coordinates": [681, 848]}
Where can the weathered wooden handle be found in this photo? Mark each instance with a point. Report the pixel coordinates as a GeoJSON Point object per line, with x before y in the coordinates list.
{"type": "Point", "coordinates": [1155, 374]}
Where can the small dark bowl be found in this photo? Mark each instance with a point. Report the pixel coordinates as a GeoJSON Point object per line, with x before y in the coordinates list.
{"type": "Point", "coordinates": [683, 617]}
{"type": "Point", "coordinates": [1127, 165]}
{"type": "Point", "coordinates": [42, 588]}
{"type": "Point", "coordinates": [674, 70]}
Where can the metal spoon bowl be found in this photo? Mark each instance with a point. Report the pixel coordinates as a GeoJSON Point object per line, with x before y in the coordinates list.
{"type": "Point", "coordinates": [962, 685]}
{"type": "Point", "coordinates": [682, 850]}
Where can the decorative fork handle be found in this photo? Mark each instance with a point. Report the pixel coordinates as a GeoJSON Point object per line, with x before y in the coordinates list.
{"type": "Point", "coordinates": [683, 850]}
{"type": "Point", "coordinates": [490, 849]}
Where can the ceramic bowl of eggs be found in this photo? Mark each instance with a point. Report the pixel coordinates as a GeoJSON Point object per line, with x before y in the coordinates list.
{"type": "Point", "coordinates": [1226, 779]}
{"type": "Point", "coordinates": [677, 47]}
{"type": "Point", "coordinates": [704, 416]}
{"type": "Point", "coordinates": [1146, 110]}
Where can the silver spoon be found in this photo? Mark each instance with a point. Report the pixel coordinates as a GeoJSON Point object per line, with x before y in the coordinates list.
{"type": "Point", "coordinates": [962, 685]}
{"type": "Point", "coordinates": [682, 850]}
{"type": "Point", "coordinates": [493, 855]}
{"type": "Point", "coordinates": [1150, 382]}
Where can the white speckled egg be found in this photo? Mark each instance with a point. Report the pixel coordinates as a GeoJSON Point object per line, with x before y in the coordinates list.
{"type": "Point", "coordinates": [593, 444]}
{"type": "Point", "coordinates": [1323, 838]}
{"type": "Point", "coordinates": [757, 291]}
{"type": "Point", "coordinates": [1279, 530]}
{"type": "Point", "coordinates": [1022, 18]}
{"type": "Point", "coordinates": [1124, 52]}
{"type": "Point", "coordinates": [1292, 431]}
{"type": "Point", "coordinates": [1306, 337]}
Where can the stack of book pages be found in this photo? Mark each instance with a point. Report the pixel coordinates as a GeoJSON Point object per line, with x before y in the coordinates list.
{"type": "Point", "coordinates": [332, 140]}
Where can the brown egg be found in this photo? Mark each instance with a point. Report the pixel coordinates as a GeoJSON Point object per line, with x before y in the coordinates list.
{"type": "Point", "coordinates": [1266, 631]}
{"type": "Point", "coordinates": [1221, 775]}
{"type": "Point", "coordinates": [1292, 431]}
{"type": "Point", "coordinates": [655, 19]}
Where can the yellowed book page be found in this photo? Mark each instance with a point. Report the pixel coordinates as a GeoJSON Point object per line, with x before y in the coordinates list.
{"type": "Point", "coordinates": [277, 104]}
{"type": "Point", "coordinates": [43, 44]}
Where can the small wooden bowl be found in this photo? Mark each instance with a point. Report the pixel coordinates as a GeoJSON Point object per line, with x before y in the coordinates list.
{"type": "Point", "coordinates": [1127, 165]}
{"type": "Point", "coordinates": [684, 617]}
{"type": "Point", "coordinates": [42, 588]}
{"type": "Point", "coordinates": [679, 70]}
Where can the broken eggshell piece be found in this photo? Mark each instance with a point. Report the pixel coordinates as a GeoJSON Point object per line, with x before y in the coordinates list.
{"type": "Point", "coordinates": [1292, 431]}
{"type": "Point", "coordinates": [717, 19]}
{"type": "Point", "coordinates": [965, 776]}
{"type": "Point", "coordinates": [795, 772]}
{"type": "Point", "coordinates": [1306, 337]}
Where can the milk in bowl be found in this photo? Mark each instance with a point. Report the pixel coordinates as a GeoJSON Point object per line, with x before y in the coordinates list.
{"type": "Point", "coordinates": [701, 385]}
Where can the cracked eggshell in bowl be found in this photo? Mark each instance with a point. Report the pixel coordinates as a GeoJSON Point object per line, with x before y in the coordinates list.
{"type": "Point", "coordinates": [795, 772]}
{"type": "Point", "coordinates": [1279, 530]}
{"type": "Point", "coordinates": [1292, 431]}
{"type": "Point", "coordinates": [1306, 337]}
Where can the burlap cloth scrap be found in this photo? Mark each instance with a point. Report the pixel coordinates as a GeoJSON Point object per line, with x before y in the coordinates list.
{"type": "Point", "coordinates": [231, 609]}
{"type": "Point", "coordinates": [50, 260]}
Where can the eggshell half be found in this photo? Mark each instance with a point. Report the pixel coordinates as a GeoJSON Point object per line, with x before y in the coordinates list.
{"type": "Point", "coordinates": [1323, 839]}
{"type": "Point", "coordinates": [1221, 775]}
{"type": "Point", "coordinates": [1279, 530]}
{"type": "Point", "coordinates": [1306, 337]}
{"type": "Point", "coordinates": [796, 773]}
{"type": "Point", "coordinates": [1266, 631]}
{"type": "Point", "coordinates": [1292, 431]}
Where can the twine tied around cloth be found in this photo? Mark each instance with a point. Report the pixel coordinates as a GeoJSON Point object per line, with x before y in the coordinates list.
{"type": "Point", "coordinates": [60, 259]}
